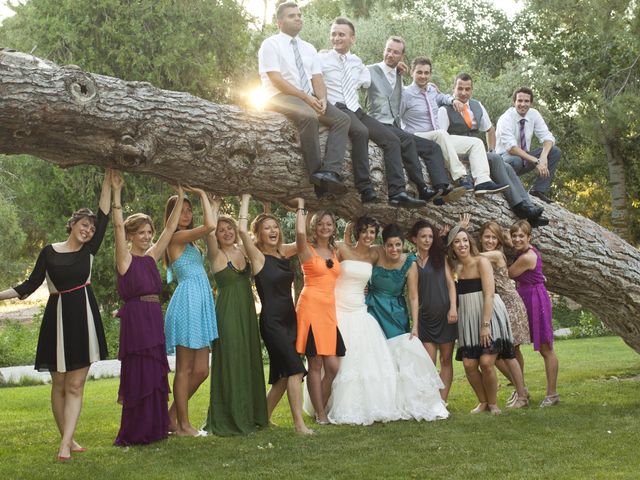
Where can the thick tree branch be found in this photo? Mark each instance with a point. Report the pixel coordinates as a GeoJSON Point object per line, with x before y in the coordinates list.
{"type": "Point", "coordinates": [70, 117]}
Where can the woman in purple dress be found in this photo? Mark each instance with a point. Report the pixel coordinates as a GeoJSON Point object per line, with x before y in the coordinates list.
{"type": "Point", "coordinates": [526, 270]}
{"type": "Point", "coordinates": [144, 386]}
{"type": "Point", "coordinates": [71, 335]}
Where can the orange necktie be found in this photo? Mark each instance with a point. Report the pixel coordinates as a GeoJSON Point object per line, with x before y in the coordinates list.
{"type": "Point", "coordinates": [467, 116]}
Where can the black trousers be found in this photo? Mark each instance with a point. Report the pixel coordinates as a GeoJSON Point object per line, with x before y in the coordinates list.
{"type": "Point", "coordinates": [430, 152]}
{"type": "Point", "coordinates": [362, 129]}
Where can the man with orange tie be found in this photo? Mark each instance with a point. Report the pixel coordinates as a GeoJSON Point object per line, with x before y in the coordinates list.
{"type": "Point", "coordinates": [471, 122]}
{"type": "Point", "coordinates": [419, 115]}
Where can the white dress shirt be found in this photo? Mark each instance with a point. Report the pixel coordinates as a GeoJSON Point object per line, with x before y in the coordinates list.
{"type": "Point", "coordinates": [332, 73]}
{"type": "Point", "coordinates": [485, 121]}
{"type": "Point", "coordinates": [276, 55]}
{"type": "Point", "coordinates": [508, 130]}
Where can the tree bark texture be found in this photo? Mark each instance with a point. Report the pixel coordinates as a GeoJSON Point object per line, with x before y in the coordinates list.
{"type": "Point", "coordinates": [70, 117]}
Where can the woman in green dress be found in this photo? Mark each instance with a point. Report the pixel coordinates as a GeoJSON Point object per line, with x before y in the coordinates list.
{"type": "Point", "coordinates": [238, 400]}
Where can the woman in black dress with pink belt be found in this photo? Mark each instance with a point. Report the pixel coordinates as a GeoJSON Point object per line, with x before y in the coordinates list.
{"type": "Point", "coordinates": [71, 336]}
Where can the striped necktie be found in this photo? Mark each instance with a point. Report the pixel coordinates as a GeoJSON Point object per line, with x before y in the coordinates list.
{"type": "Point", "coordinates": [523, 138]}
{"type": "Point", "coordinates": [304, 81]}
{"type": "Point", "coordinates": [348, 86]}
{"type": "Point", "coordinates": [434, 123]}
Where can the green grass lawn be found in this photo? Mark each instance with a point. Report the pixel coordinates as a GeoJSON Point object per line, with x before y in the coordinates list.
{"type": "Point", "coordinates": [593, 434]}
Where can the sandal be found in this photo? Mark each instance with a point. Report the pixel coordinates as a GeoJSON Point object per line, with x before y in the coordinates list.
{"type": "Point", "coordinates": [482, 407]}
{"type": "Point", "coordinates": [520, 402]}
{"type": "Point", "coordinates": [550, 400]}
{"type": "Point", "coordinates": [494, 409]}
{"type": "Point", "coordinates": [512, 398]}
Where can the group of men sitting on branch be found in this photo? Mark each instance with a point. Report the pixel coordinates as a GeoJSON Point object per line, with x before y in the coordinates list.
{"type": "Point", "coordinates": [407, 123]}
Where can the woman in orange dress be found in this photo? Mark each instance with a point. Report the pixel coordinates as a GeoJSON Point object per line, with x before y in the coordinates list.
{"type": "Point", "coordinates": [318, 335]}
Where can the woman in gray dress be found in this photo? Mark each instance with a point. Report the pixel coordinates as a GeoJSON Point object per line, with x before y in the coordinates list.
{"type": "Point", "coordinates": [438, 317]}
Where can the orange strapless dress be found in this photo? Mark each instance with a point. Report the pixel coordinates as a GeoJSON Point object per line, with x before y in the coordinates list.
{"type": "Point", "coordinates": [318, 332]}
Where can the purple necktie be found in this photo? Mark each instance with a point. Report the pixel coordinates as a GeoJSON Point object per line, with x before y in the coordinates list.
{"type": "Point", "coordinates": [523, 138]}
{"type": "Point", "coordinates": [429, 109]}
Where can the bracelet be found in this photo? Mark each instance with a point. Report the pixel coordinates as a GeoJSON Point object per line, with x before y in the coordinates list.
{"type": "Point", "coordinates": [486, 324]}
{"type": "Point", "coordinates": [116, 206]}
{"type": "Point", "coordinates": [243, 218]}
{"type": "Point", "coordinates": [304, 210]}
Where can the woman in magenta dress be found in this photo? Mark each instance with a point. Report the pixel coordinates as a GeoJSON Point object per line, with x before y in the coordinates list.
{"type": "Point", "coordinates": [144, 384]}
{"type": "Point", "coordinates": [526, 270]}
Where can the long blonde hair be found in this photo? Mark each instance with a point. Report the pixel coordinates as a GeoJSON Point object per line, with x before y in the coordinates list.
{"type": "Point", "coordinates": [313, 225]}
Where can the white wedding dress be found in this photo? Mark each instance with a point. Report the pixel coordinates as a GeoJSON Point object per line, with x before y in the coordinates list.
{"type": "Point", "coordinates": [379, 380]}
{"type": "Point", "coordinates": [364, 391]}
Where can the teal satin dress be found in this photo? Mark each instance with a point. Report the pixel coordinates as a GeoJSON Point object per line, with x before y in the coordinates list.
{"type": "Point", "coordinates": [385, 298]}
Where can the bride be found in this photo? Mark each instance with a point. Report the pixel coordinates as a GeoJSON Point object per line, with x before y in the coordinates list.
{"type": "Point", "coordinates": [377, 381]}
{"type": "Point", "coordinates": [364, 391]}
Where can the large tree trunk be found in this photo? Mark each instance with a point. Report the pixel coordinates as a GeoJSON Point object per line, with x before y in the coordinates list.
{"type": "Point", "coordinates": [70, 117]}
{"type": "Point", "coordinates": [618, 187]}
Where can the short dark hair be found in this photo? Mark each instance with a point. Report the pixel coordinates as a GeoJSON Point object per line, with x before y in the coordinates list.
{"type": "Point", "coordinates": [392, 230]}
{"type": "Point", "coordinates": [399, 39]}
{"type": "Point", "coordinates": [364, 222]}
{"type": "Point", "coordinates": [282, 7]}
{"type": "Point", "coordinates": [526, 90]}
{"type": "Point", "coordinates": [79, 215]}
{"type": "Point", "coordinates": [420, 61]}
{"type": "Point", "coordinates": [345, 21]}
{"type": "Point", "coordinates": [465, 77]}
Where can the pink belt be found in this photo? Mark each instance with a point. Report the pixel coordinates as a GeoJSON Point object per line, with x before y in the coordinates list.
{"type": "Point", "coordinates": [71, 289]}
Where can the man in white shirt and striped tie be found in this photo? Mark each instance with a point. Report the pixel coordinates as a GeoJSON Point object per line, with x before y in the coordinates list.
{"type": "Point", "coordinates": [344, 74]}
{"type": "Point", "coordinates": [292, 80]}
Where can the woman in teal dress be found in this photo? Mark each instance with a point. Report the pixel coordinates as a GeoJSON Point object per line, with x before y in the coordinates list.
{"type": "Point", "coordinates": [238, 402]}
{"type": "Point", "coordinates": [419, 384]}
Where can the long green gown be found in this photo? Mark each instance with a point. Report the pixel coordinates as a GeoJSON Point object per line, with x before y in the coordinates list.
{"type": "Point", "coordinates": [238, 401]}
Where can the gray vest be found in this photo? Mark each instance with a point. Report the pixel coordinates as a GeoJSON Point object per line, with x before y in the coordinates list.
{"type": "Point", "coordinates": [457, 125]}
{"type": "Point", "coordinates": [382, 102]}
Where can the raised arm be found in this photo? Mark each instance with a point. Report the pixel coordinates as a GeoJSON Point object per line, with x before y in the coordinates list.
{"type": "Point", "coordinates": [123, 256]}
{"type": "Point", "coordinates": [157, 249]}
{"type": "Point", "coordinates": [302, 247]}
{"type": "Point", "coordinates": [105, 194]}
{"type": "Point", "coordinates": [212, 242]}
{"type": "Point", "coordinates": [210, 221]}
{"type": "Point", "coordinates": [414, 303]}
{"type": "Point", "coordinates": [488, 291]}
{"type": "Point", "coordinates": [256, 257]}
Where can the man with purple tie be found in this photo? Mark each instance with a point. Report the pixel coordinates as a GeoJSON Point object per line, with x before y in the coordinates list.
{"type": "Point", "coordinates": [515, 130]}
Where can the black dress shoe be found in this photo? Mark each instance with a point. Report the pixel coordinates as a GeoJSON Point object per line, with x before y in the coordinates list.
{"type": "Point", "coordinates": [404, 200]}
{"type": "Point", "coordinates": [538, 222]}
{"type": "Point", "coordinates": [428, 194]}
{"type": "Point", "coordinates": [524, 210]}
{"type": "Point", "coordinates": [369, 196]}
{"type": "Point", "coordinates": [329, 181]}
{"type": "Point", "coordinates": [541, 195]}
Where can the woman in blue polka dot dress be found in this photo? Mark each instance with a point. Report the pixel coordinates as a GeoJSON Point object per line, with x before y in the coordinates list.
{"type": "Point", "coordinates": [190, 321]}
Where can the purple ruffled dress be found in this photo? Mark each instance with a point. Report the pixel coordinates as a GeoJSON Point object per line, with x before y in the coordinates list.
{"type": "Point", "coordinates": [144, 385]}
{"type": "Point", "coordinates": [530, 286]}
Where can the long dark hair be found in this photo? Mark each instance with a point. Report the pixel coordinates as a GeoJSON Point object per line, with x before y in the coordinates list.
{"type": "Point", "coordinates": [436, 251]}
